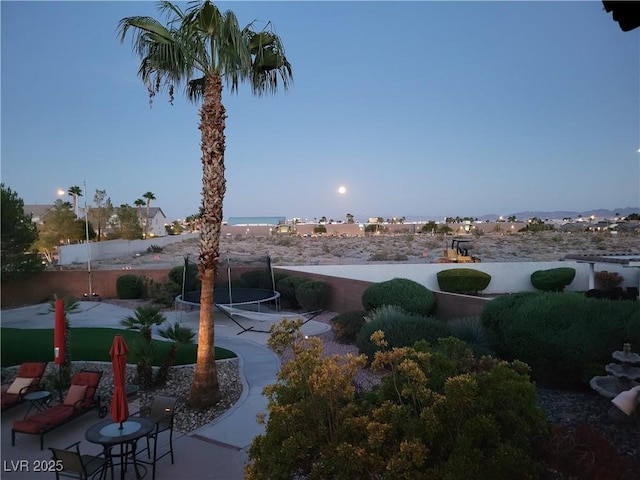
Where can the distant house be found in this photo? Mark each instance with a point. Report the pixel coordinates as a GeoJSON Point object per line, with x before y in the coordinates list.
{"type": "Point", "coordinates": [157, 221]}
{"type": "Point", "coordinates": [37, 212]}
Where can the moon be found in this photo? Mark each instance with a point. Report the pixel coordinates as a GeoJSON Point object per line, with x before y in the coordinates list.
{"type": "Point", "coordinates": [342, 189]}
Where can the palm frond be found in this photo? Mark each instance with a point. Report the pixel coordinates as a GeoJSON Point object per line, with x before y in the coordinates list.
{"type": "Point", "coordinates": [178, 334]}
{"type": "Point", "coordinates": [201, 42]}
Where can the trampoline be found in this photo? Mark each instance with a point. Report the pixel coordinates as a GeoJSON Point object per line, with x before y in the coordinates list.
{"type": "Point", "coordinates": [241, 281]}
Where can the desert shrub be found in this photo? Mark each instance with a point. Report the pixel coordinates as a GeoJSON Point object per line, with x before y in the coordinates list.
{"type": "Point", "coordinates": [347, 325]}
{"type": "Point", "coordinates": [130, 286]}
{"type": "Point", "coordinates": [471, 332]}
{"type": "Point", "coordinates": [408, 294]}
{"type": "Point", "coordinates": [287, 288]}
{"type": "Point", "coordinates": [191, 280]}
{"type": "Point", "coordinates": [312, 295]}
{"type": "Point", "coordinates": [608, 279]}
{"type": "Point", "coordinates": [285, 241]}
{"type": "Point", "coordinates": [320, 229]}
{"type": "Point", "coordinates": [561, 335]}
{"type": "Point", "coordinates": [554, 279]}
{"type": "Point", "coordinates": [379, 256]}
{"type": "Point", "coordinates": [155, 249]}
{"type": "Point", "coordinates": [164, 293]}
{"type": "Point", "coordinates": [479, 420]}
{"type": "Point", "coordinates": [400, 328]}
{"type": "Point", "coordinates": [463, 280]}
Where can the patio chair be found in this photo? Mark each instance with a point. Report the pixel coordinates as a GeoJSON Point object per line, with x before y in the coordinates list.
{"type": "Point", "coordinates": [71, 463]}
{"type": "Point", "coordinates": [80, 398]}
{"type": "Point", "coordinates": [27, 380]}
{"type": "Point", "coordinates": [162, 413]}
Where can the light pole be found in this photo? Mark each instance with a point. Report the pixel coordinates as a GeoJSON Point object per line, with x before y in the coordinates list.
{"type": "Point", "coordinates": [89, 295]}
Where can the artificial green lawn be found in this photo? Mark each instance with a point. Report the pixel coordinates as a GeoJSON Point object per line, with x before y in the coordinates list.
{"type": "Point", "coordinates": [87, 344]}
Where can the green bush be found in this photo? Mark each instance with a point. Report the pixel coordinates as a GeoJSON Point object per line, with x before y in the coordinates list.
{"type": "Point", "coordinates": [400, 328]}
{"type": "Point", "coordinates": [277, 276]}
{"type": "Point", "coordinates": [287, 288]}
{"type": "Point", "coordinates": [191, 280]}
{"type": "Point", "coordinates": [312, 295]}
{"type": "Point", "coordinates": [164, 293]}
{"type": "Point", "coordinates": [554, 279]}
{"type": "Point", "coordinates": [471, 332]}
{"type": "Point", "coordinates": [407, 294]}
{"type": "Point", "coordinates": [235, 283]}
{"type": "Point", "coordinates": [347, 325]}
{"type": "Point", "coordinates": [561, 335]}
{"type": "Point", "coordinates": [130, 286]}
{"type": "Point", "coordinates": [439, 414]}
{"type": "Point", "coordinates": [257, 279]}
{"type": "Point", "coordinates": [497, 313]}
{"type": "Point", "coordinates": [463, 280]}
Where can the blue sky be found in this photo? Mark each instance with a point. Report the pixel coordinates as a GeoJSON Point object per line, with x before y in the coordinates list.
{"type": "Point", "coordinates": [418, 108]}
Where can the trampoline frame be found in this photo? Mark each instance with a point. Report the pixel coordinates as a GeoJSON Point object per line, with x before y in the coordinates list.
{"type": "Point", "coordinates": [273, 297]}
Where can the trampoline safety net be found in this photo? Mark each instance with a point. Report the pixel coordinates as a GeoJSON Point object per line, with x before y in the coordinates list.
{"type": "Point", "coordinates": [240, 279]}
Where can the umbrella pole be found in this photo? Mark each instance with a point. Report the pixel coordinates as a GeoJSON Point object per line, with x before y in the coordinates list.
{"type": "Point", "coordinates": [60, 382]}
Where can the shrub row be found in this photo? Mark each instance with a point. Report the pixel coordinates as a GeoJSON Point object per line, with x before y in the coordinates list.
{"type": "Point", "coordinates": [565, 338]}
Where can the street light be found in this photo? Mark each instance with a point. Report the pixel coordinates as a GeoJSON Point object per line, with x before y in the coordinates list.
{"type": "Point", "coordinates": [89, 295]}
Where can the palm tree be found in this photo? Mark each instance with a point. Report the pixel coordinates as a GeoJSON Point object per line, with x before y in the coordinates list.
{"type": "Point", "coordinates": [139, 203]}
{"type": "Point", "coordinates": [179, 335]}
{"type": "Point", "coordinates": [144, 318]}
{"type": "Point", "coordinates": [75, 192]}
{"type": "Point", "coordinates": [149, 196]}
{"type": "Point", "coordinates": [202, 48]}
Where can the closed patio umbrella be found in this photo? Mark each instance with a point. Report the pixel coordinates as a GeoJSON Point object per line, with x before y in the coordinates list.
{"type": "Point", "coordinates": [59, 330]}
{"type": "Point", "coordinates": [119, 404]}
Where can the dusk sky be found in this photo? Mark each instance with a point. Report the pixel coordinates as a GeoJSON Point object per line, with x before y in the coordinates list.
{"type": "Point", "coordinates": [416, 108]}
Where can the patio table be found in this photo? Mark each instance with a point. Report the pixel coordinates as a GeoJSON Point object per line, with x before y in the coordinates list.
{"type": "Point", "coordinates": [110, 435]}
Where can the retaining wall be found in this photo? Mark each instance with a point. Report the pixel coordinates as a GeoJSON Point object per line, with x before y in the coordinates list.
{"type": "Point", "coordinates": [79, 253]}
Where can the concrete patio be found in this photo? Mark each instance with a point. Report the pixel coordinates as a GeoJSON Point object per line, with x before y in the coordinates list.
{"type": "Point", "coordinates": [216, 451]}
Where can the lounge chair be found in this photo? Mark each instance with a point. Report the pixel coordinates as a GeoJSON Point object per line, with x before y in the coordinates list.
{"type": "Point", "coordinates": [80, 398]}
{"type": "Point", "coordinates": [27, 380]}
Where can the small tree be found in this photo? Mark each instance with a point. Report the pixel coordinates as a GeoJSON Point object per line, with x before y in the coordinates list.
{"type": "Point", "coordinates": [17, 233]}
{"type": "Point", "coordinates": [127, 226]}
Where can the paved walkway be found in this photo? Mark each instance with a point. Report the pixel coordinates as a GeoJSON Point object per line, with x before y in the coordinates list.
{"type": "Point", "coordinates": [216, 451]}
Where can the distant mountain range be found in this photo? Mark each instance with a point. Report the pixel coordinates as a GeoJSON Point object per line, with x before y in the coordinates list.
{"type": "Point", "coordinates": [560, 214]}
{"type": "Point", "coordinates": [599, 213]}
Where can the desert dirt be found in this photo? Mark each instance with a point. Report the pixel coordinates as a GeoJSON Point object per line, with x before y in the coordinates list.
{"type": "Point", "coordinates": [402, 248]}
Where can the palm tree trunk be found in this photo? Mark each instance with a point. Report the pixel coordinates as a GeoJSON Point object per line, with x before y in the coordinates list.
{"type": "Point", "coordinates": [205, 390]}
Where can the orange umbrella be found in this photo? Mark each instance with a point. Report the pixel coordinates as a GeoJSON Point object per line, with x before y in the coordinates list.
{"type": "Point", "coordinates": [119, 404]}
